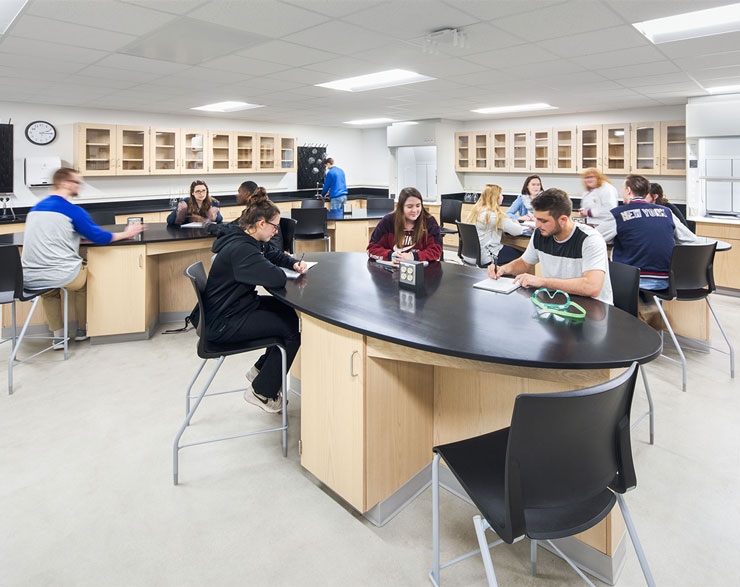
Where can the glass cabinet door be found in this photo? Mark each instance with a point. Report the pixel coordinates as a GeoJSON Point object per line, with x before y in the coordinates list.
{"type": "Point", "coordinates": [96, 149]}
{"type": "Point", "coordinates": [673, 148]}
{"type": "Point", "coordinates": [267, 152]}
{"type": "Point", "coordinates": [133, 150]}
{"type": "Point", "coordinates": [481, 142]}
{"type": "Point", "coordinates": [219, 152]}
{"type": "Point", "coordinates": [646, 147]}
{"type": "Point", "coordinates": [589, 147]}
{"type": "Point", "coordinates": [499, 151]}
{"type": "Point", "coordinates": [193, 152]}
{"type": "Point", "coordinates": [564, 148]}
{"type": "Point", "coordinates": [462, 151]}
{"type": "Point", "coordinates": [244, 151]}
{"type": "Point", "coordinates": [519, 146]}
{"type": "Point", "coordinates": [616, 148]}
{"type": "Point", "coordinates": [164, 151]}
{"type": "Point", "coordinates": [541, 150]}
{"type": "Point", "coordinates": [287, 153]}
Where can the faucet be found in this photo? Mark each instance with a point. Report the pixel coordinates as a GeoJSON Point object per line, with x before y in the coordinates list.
{"type": "Point", "coordinates": [5, 208]}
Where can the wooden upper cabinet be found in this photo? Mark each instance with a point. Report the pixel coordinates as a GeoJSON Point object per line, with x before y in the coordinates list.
{"type": "Point", "coordinates": [481, 143]}
{"type": "Point", "coordinates": [616, 148]}
{"type": "Point", "coordinates": [673, 147]}
{"type": "Point", "coordinates": [499, 151]}
{"type": "Point", "coordinates": [193, 152]}
{"type": "Point", "coordinates": [589, 147]}
{"type": "Point", "coordinates": [288, 153]}
{"type": "Point", "coordinates": [645, 154]}
{"type": "Point", "coordinates": [164, 150]}
{"type": "Point", "coordinates": [541, 139]}
{"type": "Point", "coordinates": [564, 150]}
{"type": "Point", "coordinates": [245, 145]}
{"type": "Point", "coordinates": [463, 152]}
{"type": "Point", "coordinates": [220, 151]}
{"type": "Point", "coordinates": [132, 150]}
{"type": "Point", "coordinates": [519, 148]}
{"type": "Point", "coordinates": [95, 149]}
{"type": "Point", "coordinates": [266, 152]}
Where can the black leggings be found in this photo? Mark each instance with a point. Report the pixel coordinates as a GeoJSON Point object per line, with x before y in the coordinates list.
{"type": "Point", "coordinates": [270, 318]}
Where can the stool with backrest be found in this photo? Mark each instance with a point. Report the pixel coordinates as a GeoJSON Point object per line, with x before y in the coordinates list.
{"type": "Point", "coordinates": [691, 278]}
{"type": "Point", "coordinates": [556, 471]}
{"type": "Point", "coordinates": [380, 204]}
{"type": "Point", "coordinates": [625, 281]}
{"type": "Point", "coordinates": [311, 225]}
{"type": "Point", "coordinates": [469, 249]}
{"type": "Point", "coordinates": [287, 232]}
{"type": "Point", "coordinates": [12, 291]}
{"type": "Point", "coordinates": [449, 214]}
{"type": "Point", "coordinates": [313, 203]}
{"type": "Point", "coordinates": [209, 350]}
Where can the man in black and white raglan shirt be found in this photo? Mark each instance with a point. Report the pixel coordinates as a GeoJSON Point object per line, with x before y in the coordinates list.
{"type": "Point", "coordinates": [572, 256]}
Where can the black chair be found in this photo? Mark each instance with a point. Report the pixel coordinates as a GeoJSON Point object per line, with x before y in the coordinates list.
{"type": "Point", "coordinates": [625, 281]}
{"type": "Point", "coordinates": [311, 225]}
{"type": "Point", "coordinates": [691, 278]}
{"type": "Point", "coordinates": [380, 204]}
{"type": "Point", "coordinates": [450, 214]}
{"type": "Point", "coordinates": [287, 232]}
{"type": "Point", "coordinates": [103, 217]}
{"type": "Point", "coordinates": [209, 350]}
{"type": "Point", "coordinates": [691, 225]}
{"type": "Point", "coordinates": [469, 250]}
{"type": "Point", "coordinates": [12, 291]}
{"type": "Point", "coordinates": [313, 203]}
{"type": "Point", "coordinates": [556, 471]}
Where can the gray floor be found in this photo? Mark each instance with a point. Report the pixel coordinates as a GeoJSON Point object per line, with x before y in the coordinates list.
{"type": "Point", "coordinates": [87, 498]}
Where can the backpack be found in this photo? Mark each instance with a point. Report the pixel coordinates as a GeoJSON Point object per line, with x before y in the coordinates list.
{"type": "Point", "coordinates": [193, 318]}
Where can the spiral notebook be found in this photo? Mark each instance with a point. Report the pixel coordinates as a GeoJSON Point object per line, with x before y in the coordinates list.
{"type": "Point", "coordinates": [502, 285]}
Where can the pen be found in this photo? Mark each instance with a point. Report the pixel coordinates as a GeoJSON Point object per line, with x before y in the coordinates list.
{"type": "Point", "coordinates": [301, 259]}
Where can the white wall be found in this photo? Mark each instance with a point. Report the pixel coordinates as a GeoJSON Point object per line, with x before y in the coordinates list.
{"type": "Point", "coordinates": [674, 187]}
{"type": "Point", "coordinates": [361, 153]}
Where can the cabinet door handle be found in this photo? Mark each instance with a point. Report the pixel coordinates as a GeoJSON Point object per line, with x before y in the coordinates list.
{"type": "Point", "coordinates": [352, 364]}
{"type": "Point", "coordinates": [141, 261]}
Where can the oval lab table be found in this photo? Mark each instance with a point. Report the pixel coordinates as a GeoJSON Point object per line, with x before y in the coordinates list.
{"type": "Point", "coordinates": [386, 374]}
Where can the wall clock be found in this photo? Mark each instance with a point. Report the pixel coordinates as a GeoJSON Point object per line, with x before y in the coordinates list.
{"type": "Point", "coordinates": [41, 132]}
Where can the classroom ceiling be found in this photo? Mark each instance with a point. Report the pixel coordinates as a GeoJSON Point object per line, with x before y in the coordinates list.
{"type": "Point", "coordinates": [170, 55]}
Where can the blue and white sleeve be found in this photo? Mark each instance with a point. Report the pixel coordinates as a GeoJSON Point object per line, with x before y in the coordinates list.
{"type": "Point", "coordinates": [86, 227]}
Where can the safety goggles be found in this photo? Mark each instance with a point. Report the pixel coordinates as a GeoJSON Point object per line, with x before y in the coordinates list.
{"type": "Point", "coordinates": [544, 300]}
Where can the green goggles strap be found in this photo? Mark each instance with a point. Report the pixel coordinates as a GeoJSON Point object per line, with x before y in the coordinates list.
{"type": "Point", "coordinates": [558, 309]}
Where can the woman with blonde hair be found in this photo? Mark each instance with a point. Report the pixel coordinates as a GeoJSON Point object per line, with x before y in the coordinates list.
{"type": "Point", "coordinates": [490, 221]}
{"type": "Point", "coordinates": [600, 196]}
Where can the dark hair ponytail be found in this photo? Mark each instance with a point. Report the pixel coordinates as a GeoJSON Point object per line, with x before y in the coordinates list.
{"type": "Point", "coordinates": [259, 207]}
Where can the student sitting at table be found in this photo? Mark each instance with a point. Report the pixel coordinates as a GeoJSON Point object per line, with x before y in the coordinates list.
{"type": "Point", "coordinates": [234, 311]}
{"type": "Point", "coordinates": [491, 222]}
{"type": "Point", "coordinates": [409, 232]}
{"type": "Point", "coordinates": [655, 196]}
{"type": "Point", "coordinates": [200, 207]}
{"type": "Point", "coordinates": [573, 256]}
{"type": "Point", "coordinates": [521, 209]}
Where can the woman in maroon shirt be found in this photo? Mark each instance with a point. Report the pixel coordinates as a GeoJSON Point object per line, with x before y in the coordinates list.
{"type": "Point", "coordinates": [409, 232]}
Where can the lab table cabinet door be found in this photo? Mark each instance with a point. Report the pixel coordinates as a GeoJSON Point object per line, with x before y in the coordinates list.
{"type": "Point", "coordinates": [333, 408]}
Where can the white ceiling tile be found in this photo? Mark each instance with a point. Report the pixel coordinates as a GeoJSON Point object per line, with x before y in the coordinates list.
{"type": "Point", "coordinates": [244, 65]}
{"type": "Point", "coordinates": [141, 64]}
{"type": "Point", "coordinates": [38, 65]}
{"type": "Point", "coordinates": [652, 80]}
{"type": "Point", "coordinates": [600, 41]}
{"type": "Point", "coordinates": [266, 84]}
{"type": "Point", "coordinates": [286, 53]}
{"type": "Point", "coordinates": [478, 38]}
{"type": "Point", "coordinates": [42, 49]}
{"type": "Point", "coordinates": [641, 69]}
{"type": "Point", "coordinates": [720, 73]}
{"type": "Point", "coordinates": [702, 46]}
{"type": "Point", "coordinates": [620, 57]}
{"type": "Point", "coordinates": [203, 76]}
{"type": "Point", "coordinates": [334, 8]}
{"type": "Point", "coordinates": [280, 20]}
{"type": "Point", "coordinates": [99, 82]}
{"type": "Point", "coordinates": [519, 55]}
{"type": "Point", "coordinates": [335, 34]}
{"type": "Point", "coordinates": [639, 10]}
{"type": "Point", "coordinates": [344, 67]}
{"type": "Point", "coordinates": [447, 67]}
{"type": "Point", "coordinates": [305, 76]}
{"type": "Point", "coordinates": [696, 62]}
{"type": "Point", "coordinates": [488, 10]}
{"type": "Point", "coordinates": [689, 87]}
{"type": "Point", "coordinates": [105, 14]}
{"type": "Point", "coordinates": [549, 68]}
{"type": "Point", "coordinates": [171, 6]}
{"type": "Point", "coordinates": [44, 29]}
{"type": "Point", "coordinates": [123, 74]}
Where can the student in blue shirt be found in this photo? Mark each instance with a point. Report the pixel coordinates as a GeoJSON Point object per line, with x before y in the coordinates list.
{"type": "Point", "coordinates": [522, 206]}
{"type": "Point", "coordinates": [335, 185]}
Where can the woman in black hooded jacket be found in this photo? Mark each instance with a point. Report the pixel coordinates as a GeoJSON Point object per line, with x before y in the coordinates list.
{"type": "Point", "coordinates": [234, 311]}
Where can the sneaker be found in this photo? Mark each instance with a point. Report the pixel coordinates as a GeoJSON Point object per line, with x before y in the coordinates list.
{"type": "Point", "coordinates": [81, 335]}
{"type": "Point", "coordinates": [269, 405]}
{"type": "Point", "coordinates": [252, 374]}
{"type": "Point", "coordinates": [58, 343]}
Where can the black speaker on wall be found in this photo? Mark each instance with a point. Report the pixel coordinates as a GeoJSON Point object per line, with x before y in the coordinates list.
{"type": "Point", "coordinates": [6, 158]}
{"type": "Point", "coordinates": [311, 170]}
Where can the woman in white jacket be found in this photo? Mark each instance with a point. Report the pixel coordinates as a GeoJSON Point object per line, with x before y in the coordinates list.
{"type": "Point", "coordinates": [490, 221]}
{"type": "Point", "coordinates": [599, 198]}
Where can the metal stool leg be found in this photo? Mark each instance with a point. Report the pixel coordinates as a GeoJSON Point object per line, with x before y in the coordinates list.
{"type": "Point", "coordinates": [480, 532]}
{"type": "Point", "coordinates": [727, 338]}
{"type": "Point", "coordinates": [533, 556]}
{"type": "Point", "coordinates": [635, 541]}
{"type": "Point", "coordinates": [66, 322]}
{"type": "Point", "coordinates": [18, 344]}
{"type": "Point", "coordinates": [190, 387]}
{"type": "Point", "coordinates": [651, 410]}
{"type": "Point", "coordinates": [434, 575]}
{"type": "Point", "coordinates": [675, 342]}
{"type": "Point", "coordinates": [284, 359]}
{"type": "Point", "coordinates": [13, 335]}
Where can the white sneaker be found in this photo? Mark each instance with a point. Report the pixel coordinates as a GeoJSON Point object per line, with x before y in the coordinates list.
{"type": "Point", "coordinates": [269, 405]}
{"type": "Point", "coordinates": [58, 340]}
{"type": "Point", "coordinates": [252, 374]}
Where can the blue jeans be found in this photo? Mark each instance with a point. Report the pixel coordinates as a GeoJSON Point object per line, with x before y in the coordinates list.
{"type": "Point", "coordinates": [337, 203]}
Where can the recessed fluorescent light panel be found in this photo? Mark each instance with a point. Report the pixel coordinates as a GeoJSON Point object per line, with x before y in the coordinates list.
{"type": "Point", "coordinates": [375, 81]}
{"type": "Point", "coordinates": [9, 10]}
{"type": "Point", "coordinates": [691, 25]}
{"type": "Point", "coordinates": [515, 108]}
{"type": "Point", "coordinates": [724, 89]}
{"type": "Point", "coordinates": [370, 121]}
{"type": "Point", "coordinates": [405, 123]}
{"type": "Point", "coordinates": [227, 107]}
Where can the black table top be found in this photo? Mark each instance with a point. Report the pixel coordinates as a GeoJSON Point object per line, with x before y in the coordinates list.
{"type": "Point", "coordinates": [452, 318]}
{"type": "Point", "coordinates": [155, 233]}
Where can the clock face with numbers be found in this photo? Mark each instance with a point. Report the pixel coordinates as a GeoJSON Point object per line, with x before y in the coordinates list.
{"type": "Point", "coordinates": [41, 132]}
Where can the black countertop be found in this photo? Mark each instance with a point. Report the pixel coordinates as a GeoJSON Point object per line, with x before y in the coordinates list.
{"type": "Point", "coordinates": [452, 318]}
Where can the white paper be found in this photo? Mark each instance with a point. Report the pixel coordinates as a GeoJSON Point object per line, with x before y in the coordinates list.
{"type": "Point", "coordinates": [501, 285]}
{"type": "Point", "coordinates": [192, 225]}
{"type": "Point", "coordinates": [290, 274]}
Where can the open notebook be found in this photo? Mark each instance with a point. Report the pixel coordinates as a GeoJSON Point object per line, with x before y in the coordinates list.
{"type": "Point", "coordinates": [501, 285]}
{"type": "Point", "coordinates": [294, 274]}
{"type": "Point", "coordinates": [192, 225]}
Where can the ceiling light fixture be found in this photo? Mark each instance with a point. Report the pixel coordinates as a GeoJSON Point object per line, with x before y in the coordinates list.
{"type": "Point", "coordinates": [448, 36]}
{"type": "Point", "coordinates": [724, 89]}
{"type": "Point", "coordinates": [9, 11]}
{"type": "Point", "coordinates": [374, 81]}
{"type": "Point", "coordinates": [515, 108]}
{"type": "Point", "coordinates": [691, 25]}
{"type": "Point", "coordinates": [370, 121]}
{"type": "Point", "coordinates": [405, 123]}
{"type": "Point", "coordinates": [228, 106]}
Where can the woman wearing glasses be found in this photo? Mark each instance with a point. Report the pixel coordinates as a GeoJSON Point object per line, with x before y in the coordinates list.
{"type": "Point", "coordinates": [234, 311]}
{"type": "Point", "coordinates": [200, 207]}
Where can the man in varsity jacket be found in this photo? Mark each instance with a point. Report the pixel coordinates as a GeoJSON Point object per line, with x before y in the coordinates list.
{"type": "Point", "coordinates": [644, 233]}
